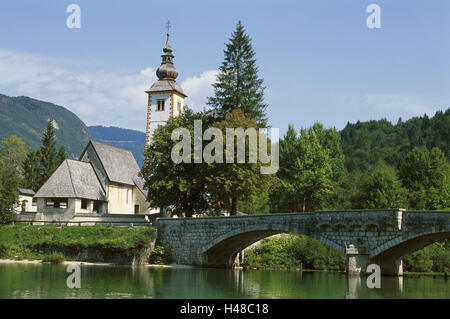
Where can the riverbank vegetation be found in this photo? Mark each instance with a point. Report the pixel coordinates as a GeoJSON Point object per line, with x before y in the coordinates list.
{"type": "Point", "coordinates": [58, 243]}
{"type": "Point", "coordinates": [294, 252]}
{"type": "Point", "coordinates": [297, 251]}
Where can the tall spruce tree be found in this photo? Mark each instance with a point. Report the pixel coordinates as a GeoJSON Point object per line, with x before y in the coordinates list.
{"type": "Point", "coordinates": [238, 84]}
{"type": "Point", "coordinates": [49, 158]}
{"type": "Point", "coordinates": [39, 165]}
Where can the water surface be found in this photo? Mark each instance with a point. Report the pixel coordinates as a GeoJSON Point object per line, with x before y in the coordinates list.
{"type": "Point", "coordinates": [49, 281]}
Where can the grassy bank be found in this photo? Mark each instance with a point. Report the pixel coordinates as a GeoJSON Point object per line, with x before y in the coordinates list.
{"type": "Point", "coordinates": [291, 251]}
{"type": "Point", "coordinates": [58, 243]}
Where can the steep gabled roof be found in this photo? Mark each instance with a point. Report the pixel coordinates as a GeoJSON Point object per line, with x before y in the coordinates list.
{"type": "Point", "coordinates": [73, 179]}
{"type": "Point", "coordinates": [119, 164]}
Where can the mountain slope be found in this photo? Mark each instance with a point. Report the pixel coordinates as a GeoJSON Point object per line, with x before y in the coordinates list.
{"type": "Point", "coordinates": [27, 118]}
{"type": "Point", "coordinates": [131, 140]}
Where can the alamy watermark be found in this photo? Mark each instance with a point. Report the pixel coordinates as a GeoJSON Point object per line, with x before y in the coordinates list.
{"type": "Point", "coordinates": [374, 279]}
{"type": "Point", "coordinates": [213, 152]}
{"type": "Point", "coordinates": [74, 19]}
{"type": "Point", "coordinates": [74, 279]}
{"type": "Point", "coordinates": [374, 19]}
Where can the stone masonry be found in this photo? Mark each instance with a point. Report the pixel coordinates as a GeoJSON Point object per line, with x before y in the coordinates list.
{"type": "Point", "coordinates": [364, 236]}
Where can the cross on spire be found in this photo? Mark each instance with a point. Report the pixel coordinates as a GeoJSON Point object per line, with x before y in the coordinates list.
{"type": "Point", "coordinates": [168, 26]}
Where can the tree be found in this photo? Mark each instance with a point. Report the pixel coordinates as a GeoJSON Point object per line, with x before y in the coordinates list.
{"type": "Point", "coordinates": [49, 157]}
{"type": "Point", "coordinates": [238, 84]}
{"type": "Point", "coordinates": [39, 165]}
{"type": "Point", "coordinates": [32, 171]}
{"type": "Point", "coordinates": [179, 188]}
{"type": "Point", "coordinates": [426, 175]}
{"type": "Point", "coordinates": [381, 188]}
{"type": "Point", "coordinates": [9, 184]}
{"type": "Point", "coordinates": [305, 178]}
{"type": "Point", "coordinates": [330, 140]}
{"type": "Point", "coordinates": [233, 182]}
{"type": "Point", "coordinates": [199, 187]}
{"type": "Point", "coordinates": [62, 155]}
{"type": "Point", "coordinates": [14, 150]}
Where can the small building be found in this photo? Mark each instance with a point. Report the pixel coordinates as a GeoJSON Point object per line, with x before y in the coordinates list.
{"type": "Point", "coordinates": [103, 181]}
{"type": "Point", "coordinates": [27, 203]}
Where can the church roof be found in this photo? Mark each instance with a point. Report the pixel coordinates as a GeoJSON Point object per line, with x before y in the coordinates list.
{"type": "Point", "coordinates": [73, 179]}
{"type": "Point", "coordinates": [166, 85]}
{"type": "Point", "coordinates": [119, 164]}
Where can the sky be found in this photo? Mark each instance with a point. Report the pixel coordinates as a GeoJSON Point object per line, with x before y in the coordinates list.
{"type": "Point", "coordinates": [319, 60]}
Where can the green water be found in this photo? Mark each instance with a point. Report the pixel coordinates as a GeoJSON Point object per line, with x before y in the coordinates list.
{"type": "Point", "coordinates": [49, 281]}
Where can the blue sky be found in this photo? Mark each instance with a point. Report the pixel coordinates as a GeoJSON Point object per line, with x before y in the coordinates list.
{"type": "Point", "coordinates": [318, 59]}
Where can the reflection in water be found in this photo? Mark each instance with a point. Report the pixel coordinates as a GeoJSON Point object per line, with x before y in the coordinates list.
{"type": "Point", "coordinates": [391, 287]}
{"type": "Point", "coordinates": [354, 282]}
{"type": "Point", "coordinates": [49, 281]}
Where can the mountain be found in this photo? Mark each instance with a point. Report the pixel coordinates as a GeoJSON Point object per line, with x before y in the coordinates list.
{"type": "Point", "coordinates": [27, 118]}
{"type": "Point", "coordinates": [131, 140]}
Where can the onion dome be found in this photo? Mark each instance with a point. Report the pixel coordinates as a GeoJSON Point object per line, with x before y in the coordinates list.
{"type": "Point", "coordinates": [167, 70]}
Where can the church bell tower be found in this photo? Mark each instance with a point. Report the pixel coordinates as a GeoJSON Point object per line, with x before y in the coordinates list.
{"type": "Point", "coordinates": [165, 96]}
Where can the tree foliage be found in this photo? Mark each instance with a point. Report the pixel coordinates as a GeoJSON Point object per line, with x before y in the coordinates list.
{"type": "Point", "coordinates": [193, 187]}
{"type": "Point", "coordinates": [426, 175]}
{"type": "Point", "coordinates": [39, 165]}
{"type": "Point", "coordinates": [233, 182]}
{"type": "Point", "coordinates": [179, 188]}
{"type": "Point", "coordinates": [367, 143]}
{"type": "Point", "coordinates": [380, 188]}
{"type": "Point", "coordinates": [311, 170]}
{"type": "Point", "coordinates": [238, 84]}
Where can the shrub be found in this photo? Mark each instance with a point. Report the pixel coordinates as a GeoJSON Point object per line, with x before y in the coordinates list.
{"type": "Point", "coordinates": [160, 256]}
{"type": "Point", "coordinates": [291, 251]}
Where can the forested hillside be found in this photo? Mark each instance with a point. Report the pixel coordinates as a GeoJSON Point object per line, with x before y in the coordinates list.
{"type": "Point", "coordinates": [27, 118]}
{"type": "Point", "coordinates": [366, 143]}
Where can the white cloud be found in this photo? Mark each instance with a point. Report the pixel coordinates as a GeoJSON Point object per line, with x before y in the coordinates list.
{"type": "Point", "coordinates": [97, 97]}
{"type": "Point", "coordinates": [198, 88]}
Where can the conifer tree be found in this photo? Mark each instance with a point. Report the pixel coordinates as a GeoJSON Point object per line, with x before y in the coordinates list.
{"type": "Point", "coordinates": [39, 165]}
{"type": "Point", "coordinates": [62, 155]}
{"type": "Point", "coordinates": [238, 84]}
{"type": "Point", "coordinates": [49, 157]}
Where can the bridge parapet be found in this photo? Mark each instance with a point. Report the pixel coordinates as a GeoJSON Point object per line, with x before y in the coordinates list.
{"type": "Point", "coordinates": [363, 235]}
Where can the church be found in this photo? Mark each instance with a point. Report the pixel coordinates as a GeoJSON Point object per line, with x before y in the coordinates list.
{"type": "Point", "coordinates": [105, 180]}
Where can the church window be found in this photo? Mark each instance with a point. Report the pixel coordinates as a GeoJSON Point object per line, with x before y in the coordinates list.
{"type": "Point", "coordinates": [160, 106]}
{"type": "Point", "coordinates": [63, 203]}
{"type": "Point", "coordinates": [84, 204]}
{"type": "Point", "coordinates": [96, 206]}
{"type": "Point", "coordinates": [179, 107]}
{"type": "Point", "coordinates": [49, 203]}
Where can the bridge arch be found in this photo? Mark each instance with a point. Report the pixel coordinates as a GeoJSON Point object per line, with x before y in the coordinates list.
{"type": "Point", "coordinates": [408, 243]}
{"type": "Point", "coordinates": [221, 251]}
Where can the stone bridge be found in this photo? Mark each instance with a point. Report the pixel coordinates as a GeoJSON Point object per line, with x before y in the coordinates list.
{"type": "Point", "coordinates": [364, 236]}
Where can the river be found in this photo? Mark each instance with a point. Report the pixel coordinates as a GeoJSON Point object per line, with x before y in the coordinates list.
{"type": "Point", "coordinates": [106, 281]}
